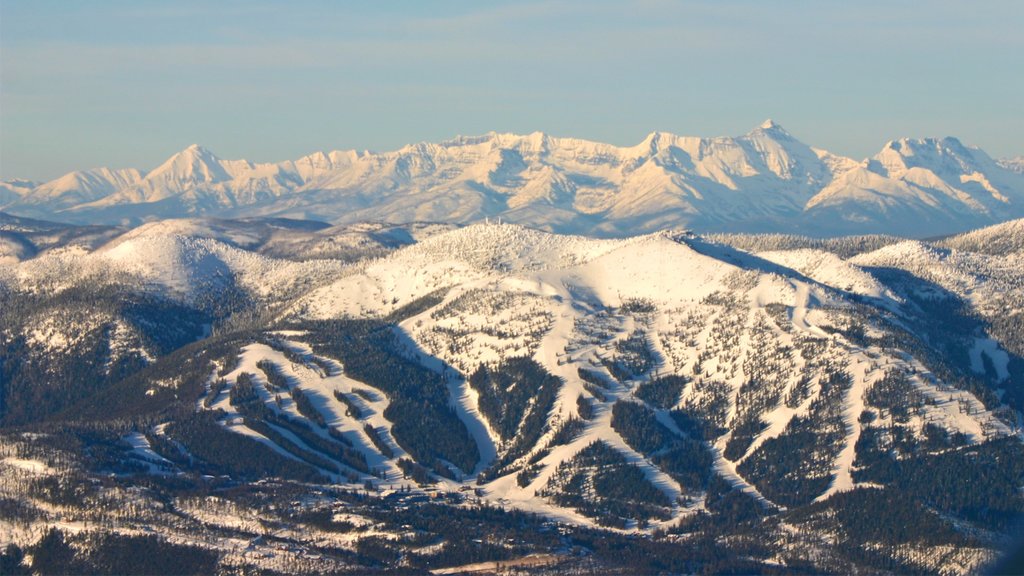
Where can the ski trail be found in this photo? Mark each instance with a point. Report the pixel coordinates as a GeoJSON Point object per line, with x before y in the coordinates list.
{"type": "Point", "coordinates": [319, 389]}
{"type": "Point", "coordinates": [802, 302]}
{"type": "Point", "coordinates": [727, 470]}
{"type": "Point", "coordinates": [463, 399]}
{"type": "Point", "coordinates": [853, 404]}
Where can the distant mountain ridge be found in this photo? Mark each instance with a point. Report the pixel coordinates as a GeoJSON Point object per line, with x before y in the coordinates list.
{"type": "Point", "coordinates": [763, 181]}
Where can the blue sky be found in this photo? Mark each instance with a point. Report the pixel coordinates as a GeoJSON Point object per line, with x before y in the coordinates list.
{"type": "Point", "coordinates": [127, 84]}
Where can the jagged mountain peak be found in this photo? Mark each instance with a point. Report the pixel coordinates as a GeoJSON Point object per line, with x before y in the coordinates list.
{"type": "Point", "coordinates": [81, 186]}
{"type": "Point", "coordinates": [536, 141]}
{"type": "Point", "coordinates": [193, 163]}
{"type": "Point", "coordinates": [772, 128]}
{"type": "Point", "coordinates": [910, 146]}
{"type": "Point", "coordinates": [194, 152]}
{"type": "Point", "coordinates": [657, 141]}
{"type": "Point", "coordinates": [771, 131]}
{"type": "Point", "coordinates": [765, 180]}
{"type": "Point", "coordinates": [946, 152]}
{"type": "Point", "coordinates": [962, 167]}
{"type": "Point", "coordinates": [320, 162]}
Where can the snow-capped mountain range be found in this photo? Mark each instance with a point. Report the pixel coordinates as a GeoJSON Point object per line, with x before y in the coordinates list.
{"type": "Point", "coordinates": [765, 180]}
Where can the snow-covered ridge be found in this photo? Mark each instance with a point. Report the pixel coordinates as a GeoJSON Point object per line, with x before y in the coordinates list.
{"type": "Point", "coordinates": [176, 264]}
{"type": "Point", "coordinates": [830, 270]}
{"type": "Point", "coordinates": [1013, 164]}
{"type": "Point", "coordinates": [1000, 239]}
{"type": "Point", "coordinates": [927, 261]}
{"type": "Point", "coordinates": [765, 180]}
{"type": "Point", "coordinates": [512, 247]}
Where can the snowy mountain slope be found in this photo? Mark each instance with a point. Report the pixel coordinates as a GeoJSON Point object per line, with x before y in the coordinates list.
{"type": "Point", "coordinates": [966, 274]}
{"type": "Point", "coordinates": [195, 266]}
{"type": "Point", "coordinates": [74, 189]}
{"type": "Point", "coordinates": [563, 184]}
{"type": "Point", "coordinates": [1013, 164]}
{"type": "Point", "coordinates": [246, 234]}
{"type": "Point", "coordinates": [348, 242]}
{"type": "Point", "coordinates": [861, 201]}
{"type": "Point", "coordinates": [666, 386]}
{"type": "Point", "coordinates": [13, 190]}
{"type": "Point", "coordinates": [841, 246]}
{"type": "Point", "coordinates": [193, 181]}
{"type": "Point", "coordinates": [933, 183]}
{"type": "Point", "coordinates": [264, 259]}
{"type": "Point", "coordinates": [11, 223]}
{"type": "Point", "coordinates": [763, 181]}
{"type": "Point", "coordinates": [331, 395]}
{"type": "Point", "coordinates": [197, 177]}
{"type": "Point", "coordinates": [763, 349]}
{"type": "Point", "coordinates": [999, 240]}
{"type": "Point", "coordinates": [293, 239]}
{"type": "Point", "coordinates": [63, 348]}
{"type": "Point", "coordinates": [14, 248]}
{"type": "Point", "coordinates": [170, 261]}
{"type": "Point", "coordinates": [982, 270]}
{"type": "Point", "coordinates": [968, 171]}
{"type": "Point", "coordinates": [26, 238]}
{"type": "Point", "coordinates": [831, 271]}
{"type": "Point", "coordinates": [472, 253]}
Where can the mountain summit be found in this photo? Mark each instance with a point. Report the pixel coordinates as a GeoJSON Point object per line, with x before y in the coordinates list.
{"type": "Point", "coordinates": [764, 181]}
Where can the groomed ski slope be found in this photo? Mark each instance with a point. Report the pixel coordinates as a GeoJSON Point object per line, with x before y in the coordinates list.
{"type": "Point", "coordinates": [575, 288]}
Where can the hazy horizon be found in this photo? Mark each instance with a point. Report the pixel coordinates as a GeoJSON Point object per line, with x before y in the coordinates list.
{"type": "Point", "coordinates": [127, 84]}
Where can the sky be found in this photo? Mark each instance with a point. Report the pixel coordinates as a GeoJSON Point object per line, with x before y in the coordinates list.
{"type": "Point", "coordinates": [129, 83]}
